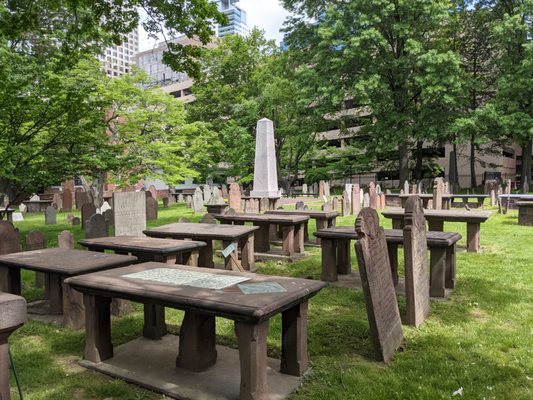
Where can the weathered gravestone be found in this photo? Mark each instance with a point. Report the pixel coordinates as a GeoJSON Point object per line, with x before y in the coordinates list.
{"type": "Point", "coordinates": [198, 201]}
{"type": "Point", "coordinates": [188, 201]}
{"type": "Point", "coordinates": [345, 204]}
{"type": "Point", "coordinates": [129, 213]}
{"type": "Point", "coordinates": [96, 227]}
{"type": "Point", "coordinates": [321, 191]}
{"type": "Point", "coordinates": [76, 221]}
{"type": "Point", "coordinates": [165, 202]}
{"type": "Point", "coordinates": [65, 240]}
{"type": "Point", "coordinates": [67, 200]}
{"type": "Point", "coordinates": [23, 208]}
{"type": "Point", "coordinates": [326, 206]}
{"type": "Point", "coordinates": [151, 209]}
{"type": "Point", "coordinates": [304, 188]}
{"type": "Point", "coordinates": [356, 199]}
{"type": "Point", "coordinates": [208, 219]}
{"type": "Point", "coordinates": [372, 195]}
{"type": "Point", "coordinates": [50, 216]}
{"type": "Point", "coordinates": [181, 199]}
{"type": "Point", "coordinates": [109, 217]}
{"type": "Point", "coordinates": [57, 201]}
{"type": "Point", "coordinates": [335, 203]}
{"type": "Point", "coordinates": [207, 193]}
{"type": "Point", "coordinates": [80, 198]}
{"type": "Point", "coordinates": [35, 240]}
{"type": "Point", "coordinates": [216, 197]}
{"type": "Point", "coordinates": [366, 200]}
{"type": "Point", "coordinates": [416, 262]}
{"type": "Point", "coordinates": [378, 287]}
{"type": "Point", "coordinates": [234, 196]}
{"type": "Point", "coordinates": [327, 191]}
{"type": "Point", "coordinates": [438, 191]}
{"type": "Point", "coordinates": [224, 190]}
{"type": "Point", "coordinates": [9, 243]}
{"type": "Point", "coordinates": [153, 192]}
{"type": "Point", "coordinates": [87, 210]}
{"type": "Point", "coordinates": [105, 207]}
{"type": "Point", "coordinates": [300, 205]}
{"type": "Point", "coordinates": [406, 187]}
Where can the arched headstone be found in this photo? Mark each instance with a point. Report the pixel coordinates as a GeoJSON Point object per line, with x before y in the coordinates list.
{"type": "Point", "coordinates": [67, 200]}
{"type": "Point", "coordinates": [50, 216]}
{"type": "Point", "coordinates": [87, 210]}
{"type": "Point", "coordinates": [208, 219]}
{"type": "Point", "coordinates": [234, 196]}
{"type": "Point", "coordinates": [151, 209]}
{"type": "Point", "coordinates": [96, 227]}
{"type": "Point", "coordinates": [65, 240]}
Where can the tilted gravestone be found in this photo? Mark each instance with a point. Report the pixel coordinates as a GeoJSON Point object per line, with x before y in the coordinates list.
{"type": "Point", "coordinates": [335, 203]}
{"type": "Point", "coordinates": [35, 240]}
{"type": "Point", "coordinates": [416, 262]}
{"type": "Point", "coordinates": [80, 198]}
{"type": "Point", "coordinates": [300, 205]}
{"type": "Point", "coordinates": [129, 213]}
{"type": "Point", "coordinates": [345, 204]}
{"type": "Point", "coordinates": [67, 200]}
{"type": "Point", "coordinates": [198, 201]}
{"type": "Point", "coordinates": [151, 209]}
{"type": "Point", "coordinates": [65, 240]}
{"type": "Point", "coordinates": [373, 195]}
{"type": "Point", "coordinates": [96, 227]}
{"type": "Point", "coordinates": [153, 192]}
{"type": "Point", "coordinates": [378, 287]}
{"type": "Point", "coordinates": [234, 196]}
{"type": "Point", "coordinates": [50, 216]}
{"type": "Point", "coordinates": [356, 199]}
{"type": "Point", "coordinates": [87, 210]}
{"type": "Point", "coordinates": [9, 243]}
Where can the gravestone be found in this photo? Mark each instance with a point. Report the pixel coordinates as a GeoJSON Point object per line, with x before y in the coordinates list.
{"type": "Point", "coordinates": [383, 200]}
{"type": "Point", "coordinates": [335, 203]}
{"type": "Point", "coordinates": [17, 217]}
{"type": "Point", "coordinates": [234, 196]}
{"type": "Point", "coordinates": [207, 193]}
{"type": "Point", "coordinates": [216, 197]}
{"type": "Point", "coordinates": [361, 195]}
{"type": "Point", "coordinates": [35, 240]}
{"type": "Point", "coordinates": [415, 262]}
{"type": "Point", "coordinates": [153, 192]}
{"type": "Point", "coordinates": [76, 221]}
{"type": "Point", "coordinates": [183, 220]}
{"type": "Point", "coordinates": [401, 191]}
{"type": "Point", "coordinates": [67, 200]}
{"type": "Point", "coordinates": [23, 208]}
{"type": "Point", "coordinates": [378, 287]}
{"type": "Point", "coordinates": [264, 204]}
{"type": "Point", "coordinates": [35, 198]}
{"type": "Point", "coordinates": [326, 207]}
{"type": "Point", "coordinates": [265, 166]}
{"type": "Point", "coordinates": [321, 191]}
{"type": "Point", "coordinates": [508, 186]}
{"type": "Point", "coordinates": [345, 204]}
{"type": "Point", "coordinates": [80, 198]}
{"type": "Point", "coordinates": [378, 189]}
{"type": "Point", "coordinates": [438, 191]}
{"type": "Point", "coordinates": [165, 202]}
{"type": "Point", "coordinates": [300, 205]}
{"type": "Point", "coordinates": [326, 189]}
{"type": "Point", "coordinates": [96, 227]}
{"type": "Point", "coordinates": [224, 190]}
{"type": "Point", "coordinates": [406, 187]}
{"type": "Point", "coordinates": [492, 197]}
{"type": "Point", "coordinates": [147, 193]}
{"type": "Point", "coordinates": [378, 202]}
{"type": "Point", "coordinates": [413, 189]}
{"type": "Point", "coordinates": [50, 216]}
{"type": "Point", "coordinates": [356, 199]}
{"type": "Point", "coordinates": [65, 240]}
{"type": "Point", "coordinates": [188, 201]}
{"type": "Point", "coordinates": [57, 201]}
{"type": "Point", "coordinates": [109, 217]}
{"type": "Point", "coordinates": [129, 210]}
{"type": "Point", "coordinates": [446, 188]}
{"type": "Point", "coordinates": [151, 209]}
{"type": "Point", "coordinates": [304, 188]}
{"type": "Point", "coordinates": [198, 201]}
{"type": "Point", "coordinates": [9, 243]}
{"type": "Point", "coordinates": [181, 199]}
{"type": "Point", "coordinates": [230, 212]}
{"type": "Point", "coordinates": [525, 186]}
{"type": "Point", "coordinates": [366, 200]}
{"type": "Point", "coordinates": [208, 219]}
{"type": "Point", "coordinates": [87, 210]}
{"type": "Point", "coordinates": [104, 207]}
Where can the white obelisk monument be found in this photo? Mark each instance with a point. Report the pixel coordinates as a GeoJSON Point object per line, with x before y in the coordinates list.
{"type": "Point", "coordinates": [265, 168]}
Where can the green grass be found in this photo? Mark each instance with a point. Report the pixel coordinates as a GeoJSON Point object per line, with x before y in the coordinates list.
{"type": "Point", "coordinates": [481, 339]}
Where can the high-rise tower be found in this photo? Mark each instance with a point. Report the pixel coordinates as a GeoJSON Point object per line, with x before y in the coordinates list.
{"type": "Point", "coordinates": [236, 16]}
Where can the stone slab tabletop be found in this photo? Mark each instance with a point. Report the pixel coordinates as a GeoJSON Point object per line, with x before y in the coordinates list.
{"type": "Point", "coordinates": [468, 196]}
{"type": "Point", "coordinates": [517, 196]}
{"type": "Point", "coordinates": [422, 195]}
{"type": "Point", "coordinates": [258, 197]}
{"type": "Point", "coordinates": [267, 295]}
{"type": "Point", "coordinates": [444, 215]}
{"type": "Point", "coordinates": [434, 239]}
{"type": "Point", "coordinates": [288, 219]}
{"type": "Point", "coordinates": [38, 201]}
{"type": "Point", "coordinates": [13, 311]}
{"type": "Point", "coordinates": [142, 244]}
{"type": "Point", "coordinates": [191, 230]}
{"type": "Point", "coordinates": [310, 213]}
{"type": "Point", "coordinates": [525, 203]}
{"type": "Point", "coordinates": [65, 262]}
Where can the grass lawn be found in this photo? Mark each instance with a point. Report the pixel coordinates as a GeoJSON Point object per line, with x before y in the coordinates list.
{"type": "Point", "coordinates": [481, 339]}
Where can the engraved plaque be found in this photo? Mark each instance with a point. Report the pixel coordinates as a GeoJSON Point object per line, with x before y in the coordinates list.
{"type": "Point", "coordinates": [129, 213]}
{"type": "Point", "coordinates": [261, 287]}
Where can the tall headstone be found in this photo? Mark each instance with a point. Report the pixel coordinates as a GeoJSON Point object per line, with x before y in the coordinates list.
{"type": "Point", "coordinates": [378, 287]}
{"type": "Point", "coordinates": [492, 198]}
{"type": "Point", "coordinates": [321, 191]}
{"type": "Point", "coordinates": [198, 201]}
{"type": "Point", "coordinates": [80, 198]}
{"type": "Point", "coordinates": [406, 187]}
{"type": "Point", "coordinates": [87, 210]}
{"type": "Point", "coordinates": [335, 203]}
{"type": "Point", "coordinates": [235, 196]}
{"type": "Point", "coordinates": [438, 191]}
{"type": "Point", "coordinates": [416, 262]}
{"type": "Point", "coordinates": [129, 210]}
{"type": "Point", "coordinates": [50, 216]}
{"type": "Point", "coordinates": [9, 243]}
{"type": "Point", "coordinates": [151, 209]}
{"type": "Point", "coordinates": [304, 188]}
{"type": "Point", "coordinates": [224, 190]}
{"type": "Point", "coordinates": [345, 204]}
{"type": "Point", "coordinates": [366, 200]}
{"type": "Point", "coordinates": [65, 240]}
{"type": "Point", "coordinates": [109, 217]}
{"type": "Point", "coordinates": [452, 173]}
{"type": "Point", "coordinates": [327, 191]}
{"type": "Point", "coordinates": [67, 200]}
{"type": "Point", "coordinates": [207, 193]}
{"type": "Point", "coordinates": [373, 195]}
{"type": "Point", "coordinates": [265, 167]}
{"type": "Point", "coordinates": [153, 191]}
{"type": "Point", "coordinates": [356, 199]}
{"type": "Point", "coordinates": [57, 201]}
{"type": "Point", "coordinates": [96, 227]}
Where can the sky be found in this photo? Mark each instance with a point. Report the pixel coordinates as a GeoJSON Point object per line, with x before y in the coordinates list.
{"type": "Point", "coordinates": [265, 14]}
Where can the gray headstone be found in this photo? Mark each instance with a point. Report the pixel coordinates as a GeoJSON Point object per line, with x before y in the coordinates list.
{"type": "Point", "coordinates": [234, 196]}
{"type": "Point", "coordinates": [87, 210]}
{"type": "Point", "coordinates": [80, 198]}
{"type": "Point", "coordinates": [57, 201]}
{"type": "Point", "coordinates": [35, 240]}
{"type": "Point", "coordinates": [406, 187]}
{"type": "Point", "coordinates": [23, 208]}
{"type": "Point", "coordinates": [224, 191]}
{"type": "Point", "coordinates": [345, 204]}
{"type": "Point", "coordinates": [181, 199]}
{"type": "Point", "coordinates": [416, 262]}
{"type": "Point", "coordinates": [304, 188]}
{"type": "Point", "coordinates": [165, 202]}
{"type": "Point", "coordinates": [216, 196]}
{"type": "Point", "coordinates": [207, 192]}
{"type": "Point", "coordinates": [65, 240]}
{"type": "Point", "coordinates": [208, 219]}
{"type": "Point", "coordinates": [35, 198]}
{"type": "Point", "coordinates": [327, 191]}
{"type": "Point", "coordinates": [188, 201]}
{"type": "Point", "coordinates": [438, 191]}
{"type": "Point", "coordinates": [366, 200]}
{"type": "Point", "coordinates": [17, 217]}
{"type": "Point", "coordinates": [335, 203]}
{"type": "Point", "coordinates": [96, 227]}
{"type": "Point", "coordinates": [67, 200]}
{"type": "Point", "coordinates": [378, 287]}
{"type": "Point", "coordinates": [151, 209]}
{"type": "Point", "coordinates": [109, 217]}
{"type": "Point", "coordinates": [326, 206]}
{"type": "Point", "coordinates": [76, 221]}
{"type": "Point", "coordinates": [300, 205]}
{"type": "Point", "coordinates": [129, 210]}
{"type": "Point", "coordinates": [9, 238]}
{"type": "Point", "coordinates": [198, 201]}
{"type": "Point", "coordinates": [50, 216]}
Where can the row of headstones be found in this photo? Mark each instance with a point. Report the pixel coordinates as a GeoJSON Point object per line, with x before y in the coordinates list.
{"type": "Point", "coordinates": [201, 197]}
{"type": "Point", "coordinates": [354, 198]}
{"type": "Point", "coordinates": [313, 189]}
{"type": "Point", "coordinates": [378, 283]}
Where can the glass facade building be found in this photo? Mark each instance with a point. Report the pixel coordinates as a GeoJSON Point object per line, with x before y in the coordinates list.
{"type": "Point", "coordinates": [236, 16]}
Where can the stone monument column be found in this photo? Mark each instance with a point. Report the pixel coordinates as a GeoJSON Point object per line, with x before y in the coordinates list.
{"type": "Point", "coordinates": [265, 168]}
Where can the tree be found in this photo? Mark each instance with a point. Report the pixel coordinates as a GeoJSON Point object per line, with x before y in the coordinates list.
{"type": "Point", "coordinates": [390, 56]}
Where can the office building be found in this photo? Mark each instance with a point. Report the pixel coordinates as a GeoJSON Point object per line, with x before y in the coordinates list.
{"type": "Point", "coordinates": [236, 16]}
{"type": "Point", "coordinates": [117, 60]}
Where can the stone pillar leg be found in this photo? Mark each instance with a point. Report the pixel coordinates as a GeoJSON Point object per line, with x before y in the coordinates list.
{"type": "Point", "coordinates": [437, 272]}
{"type": "Point", "coordinates": [450, 267]}
{"type": "Point", "coordinates": [299, 238]}
{"type": "Point", "coordinates": [273, 232]}
{"type": "Point", "coordinates": [306, 232]}
{"type": "Point", "coordinates": [262, 238]}
{"type": "Point", "coordinates": [98, 345]}
{"type": "Point", "coordinates": [197, 350]}
{"type": "Point", "coordinates": [73, 309]}
{"type": "Point", "coordinates": [344, 265]}
{"type": "Point", "coordinates": [392, 249]}
{"type": "Point", "coordinates": [10, 281]}
{"type": "Point", "coordinates": [397, 223]}
{"type": "Point", "coordinates": [4, 366]}
{"type": "Point", "coordinates": [288, 240]}
{"type": "Point", "coordinates": [472, 237]}
{"type": "Point", "coordinates": [206, 256]}
{"type": "Point", "coordinates": [329, 260]}
{"type": "Point", "coordinates": [321, 224]}
{"type": "Point", "coordinates": [154, 321]}
{"type": "Point", "coordinates": [247, 253]}
{"type": "Point", "coordinates": [294, 340]}
{"type": "Point", "coordinates": [251, 339]}
{"type": "Point", "coordinates": [39, 279]}
{"type": "Point", "coordinates": [56, 293]}
{"type": "Point", "coordinates": [436, 226]}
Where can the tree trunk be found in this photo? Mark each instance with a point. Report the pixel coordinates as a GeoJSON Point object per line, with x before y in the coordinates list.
{"type": "Point", "coordinates": [526, 164]}
{"type": "Point", "coordinates": [473, 180]}
{"type": "Point", "coordinates": [403, 153]}
{"type": "Point", "coordinates": [417, 173]}
{"type": "Point", "coordinates": [94, 187]}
